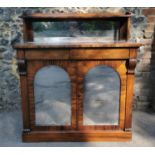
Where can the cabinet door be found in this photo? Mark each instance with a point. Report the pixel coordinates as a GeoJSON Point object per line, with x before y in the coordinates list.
{"type": "Point", "coordinates": [101, 94]}
{"type": "Point", "coordinates": [52, 94]}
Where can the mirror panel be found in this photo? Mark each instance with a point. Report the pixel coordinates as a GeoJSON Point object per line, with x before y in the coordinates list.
{"type": "Point", "coordinates": [101, 96]}
{"type": "Point", "coordinates": [75, 30]}
{"type": "Point", "coordinates": [52, 96]}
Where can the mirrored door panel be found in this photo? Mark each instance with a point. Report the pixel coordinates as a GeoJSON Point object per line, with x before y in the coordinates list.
{"type": "Point", "coordinates": [101, 96]}
{"type": "Point", "coordinates": [52, 96]}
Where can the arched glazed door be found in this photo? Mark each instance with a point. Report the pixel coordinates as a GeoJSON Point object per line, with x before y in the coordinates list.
{"type": "Point", "coordinates": [101, 94]}
{"type": "Point", "coordinates": [52, 96]}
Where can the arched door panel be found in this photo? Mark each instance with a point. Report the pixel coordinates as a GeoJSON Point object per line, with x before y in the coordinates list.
{"type": "Point", "coordinates": [52, 96]}
{"type": "Point", "coordinates": [101, 94]}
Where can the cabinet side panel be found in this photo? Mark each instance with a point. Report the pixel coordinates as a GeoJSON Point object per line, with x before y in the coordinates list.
{"type": "Point", "coordinates": [24, 90]}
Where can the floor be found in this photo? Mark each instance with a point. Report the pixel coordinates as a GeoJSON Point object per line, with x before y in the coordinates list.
{"type": "Point", "coordinates": [143, 132]}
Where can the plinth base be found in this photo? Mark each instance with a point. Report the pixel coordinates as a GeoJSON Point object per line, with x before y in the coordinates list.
{"type": "Point", "coordinates": [76, 136]}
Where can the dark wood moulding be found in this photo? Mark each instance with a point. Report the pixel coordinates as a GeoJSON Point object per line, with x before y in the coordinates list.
{"type": "Point", "coordinates": [80, 16]}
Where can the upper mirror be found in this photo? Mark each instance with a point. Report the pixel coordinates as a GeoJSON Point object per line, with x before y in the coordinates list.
{"type": "Point", "coordinates": [69, 30]}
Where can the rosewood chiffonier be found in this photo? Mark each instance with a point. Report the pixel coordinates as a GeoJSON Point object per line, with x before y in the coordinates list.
{"type": "Point", "coordinates": [100, 104]}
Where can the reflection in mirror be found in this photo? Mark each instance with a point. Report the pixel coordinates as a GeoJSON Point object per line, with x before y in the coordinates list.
{"type": "Point", "coordinates": [60, 31]}
{"type": "Point", "coordinates": [101, 101]}
{"type": "Point", "coordinates": [52, 96]}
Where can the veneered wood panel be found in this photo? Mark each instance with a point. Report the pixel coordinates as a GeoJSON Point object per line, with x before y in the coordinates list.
{"type": "Point", "coordinates": [99, 54]}
{"type": "Point", "coordinates": [47, 54]}
{"type": "Point", "coordinates": [76, 54]}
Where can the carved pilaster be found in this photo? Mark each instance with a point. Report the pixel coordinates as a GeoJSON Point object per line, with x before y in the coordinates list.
{"type": "Point", "coordinates": [22, 67]}
{"type": "Point", "coordinates": [131, 64]}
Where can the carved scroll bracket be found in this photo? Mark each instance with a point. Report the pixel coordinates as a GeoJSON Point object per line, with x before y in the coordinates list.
{"type": "Point", "coordinates": [22, 66]}
{"type": "Point", "coordinates": [131, 64]}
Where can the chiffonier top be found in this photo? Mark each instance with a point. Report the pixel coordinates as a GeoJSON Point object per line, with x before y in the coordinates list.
{"type": "Point", "coordinates": [86, 44]}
